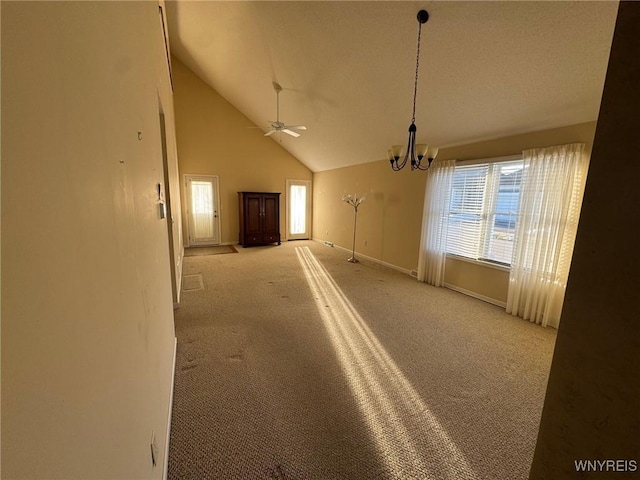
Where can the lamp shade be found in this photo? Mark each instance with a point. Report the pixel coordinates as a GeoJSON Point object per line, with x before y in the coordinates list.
{"type": "Point", "coordinates": [397, 151]}
{"type": "Point", "coordinates": [421, 150]}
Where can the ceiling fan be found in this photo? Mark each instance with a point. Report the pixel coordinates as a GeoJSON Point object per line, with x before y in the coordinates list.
{"type": "Point", "coordinates": [279, 126]}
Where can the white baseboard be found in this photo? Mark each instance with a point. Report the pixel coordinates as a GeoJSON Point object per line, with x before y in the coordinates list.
{"type": "Point", "coordinates": [165, 474]}
{"type": "Point", "coordinates": [366, 257]}
{"type": "Point", "coordinates": [493, 301]}
{"type": "Point", "coordinates": [413, 273]}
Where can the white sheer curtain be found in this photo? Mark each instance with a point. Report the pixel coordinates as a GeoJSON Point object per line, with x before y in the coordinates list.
{"type": "Point", "coordinates": [551, 196]}
{"type": "Point", "coordinates": [435, 217]}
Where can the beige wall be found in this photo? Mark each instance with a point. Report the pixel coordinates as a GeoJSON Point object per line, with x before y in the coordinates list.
{"type": "Point", "coordinates": [214, 139]}
{"type": "Point", "coordinates": [87, 314]}
{"type": "Point", "coordinates": [487, 282]}
{"type": "Point", "coordinates": [389, 222]}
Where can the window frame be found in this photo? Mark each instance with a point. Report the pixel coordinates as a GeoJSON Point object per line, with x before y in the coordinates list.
{"type": "Point", "coordinates": [490, 202]}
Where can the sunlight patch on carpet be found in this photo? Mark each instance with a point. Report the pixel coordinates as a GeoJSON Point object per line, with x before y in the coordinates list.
{"type": "Point", "coordinates": [410, 441]}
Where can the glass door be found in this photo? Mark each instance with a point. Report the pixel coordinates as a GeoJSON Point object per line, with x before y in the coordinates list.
{"type": "Point", "coordinates": [202, 210]}
{"type": "Point", "coordinates": [298, 209]}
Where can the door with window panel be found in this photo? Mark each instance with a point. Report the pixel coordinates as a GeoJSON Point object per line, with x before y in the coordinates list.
{"type": "Point", "coordinates": [203, 222]}
{"type": "Point", "coordinates": [298, 209]}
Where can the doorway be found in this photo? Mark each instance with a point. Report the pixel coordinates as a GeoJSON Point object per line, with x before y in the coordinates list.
{"type": "Point", "coordinates": [202, 202]}
{"type": "Point", "coordinates": [298, 209]}
{"type": "Point", "coordinates": [165, 192]}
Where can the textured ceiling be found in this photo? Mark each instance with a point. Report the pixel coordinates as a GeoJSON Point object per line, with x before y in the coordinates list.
{"type": "Point", "coordinates": [487, 69]}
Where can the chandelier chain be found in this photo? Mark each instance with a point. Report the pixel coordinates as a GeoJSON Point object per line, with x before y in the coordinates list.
{"type": "Point", "coordinates": [415, 85]}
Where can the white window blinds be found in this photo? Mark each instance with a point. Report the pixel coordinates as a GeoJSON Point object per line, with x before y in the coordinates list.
{"type": "Point", "coordinates": [465, 215]}
{"type": "Point", "coordinates": [484, 211]}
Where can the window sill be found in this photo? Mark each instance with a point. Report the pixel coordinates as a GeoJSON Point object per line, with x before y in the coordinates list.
{"type": "Point", "coordinates": [495, 266]}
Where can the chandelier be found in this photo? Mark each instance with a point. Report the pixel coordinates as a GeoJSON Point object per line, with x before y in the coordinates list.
{"type": "Point", "coordinates": [415, 152]}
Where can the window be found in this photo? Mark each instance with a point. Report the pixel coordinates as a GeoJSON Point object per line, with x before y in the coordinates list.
{"type": "Point", "coordinates": [484, 211]}
{"type": "Point", "coordinates": [298, 209]}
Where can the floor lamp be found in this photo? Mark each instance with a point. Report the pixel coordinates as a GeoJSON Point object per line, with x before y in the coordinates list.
{"type": "Point", "coordinates": [355, 202]}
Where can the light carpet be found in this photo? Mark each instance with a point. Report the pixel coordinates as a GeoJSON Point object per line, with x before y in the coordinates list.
{"type": "Point", "coordinates": [295, 364]}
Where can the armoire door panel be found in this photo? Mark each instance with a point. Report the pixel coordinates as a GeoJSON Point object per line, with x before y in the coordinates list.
{"type": "Point", "coordinates": [253, 215]}
{"type": "Point", "coordinates": [270, 215]}
{"type": "Point", "coordinates": [259, 218]}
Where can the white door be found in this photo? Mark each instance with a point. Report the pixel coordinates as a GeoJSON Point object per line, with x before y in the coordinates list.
{"type": "Point", "coordinates": [202, 200]}
{"type": "Point", "coordinates": [298, 209]}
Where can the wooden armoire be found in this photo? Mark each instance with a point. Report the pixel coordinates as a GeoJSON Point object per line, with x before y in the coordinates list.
{"type": "Point", "coordinates": [259, 218]}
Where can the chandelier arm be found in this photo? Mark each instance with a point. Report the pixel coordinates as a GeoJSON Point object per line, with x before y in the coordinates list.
{"type": "Point", "coordinates": [421, 166]}
{"type": "Point", "coordinates": [400, 166]}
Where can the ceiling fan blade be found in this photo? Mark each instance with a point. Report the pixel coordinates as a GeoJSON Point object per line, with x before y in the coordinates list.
{"type": "Point", "coordinates": [297, 127]}
{"type": "Point", "coordinates": [290, 132]}
{"type": "Point", "coordinates": [270, 132]}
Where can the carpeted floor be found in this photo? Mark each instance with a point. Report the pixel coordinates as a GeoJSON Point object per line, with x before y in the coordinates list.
{"type": "Point", "coordinates": [295, 364]}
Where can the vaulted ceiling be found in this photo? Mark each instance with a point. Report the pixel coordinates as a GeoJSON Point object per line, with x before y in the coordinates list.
{"type": "Point", "coordinates": [487, 69]}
